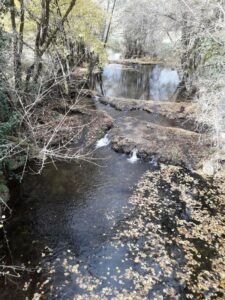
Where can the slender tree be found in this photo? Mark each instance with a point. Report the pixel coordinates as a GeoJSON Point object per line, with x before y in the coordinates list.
{"type": "Point", "coordinates": [110, 22]}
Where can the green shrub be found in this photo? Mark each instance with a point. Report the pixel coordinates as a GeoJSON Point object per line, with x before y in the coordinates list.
{"type": "Point", "coordinates": [10, 127]}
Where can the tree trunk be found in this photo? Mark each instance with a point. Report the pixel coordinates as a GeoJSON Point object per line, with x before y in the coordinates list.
{"type": "Point", "coordinates": [17, 42]}
{"type": "Point", "coordinates": [109, 25]}
{"type": "Point", "coordinates": [43, 40]}
{"type": "Point", "coordinates": [187, 89]}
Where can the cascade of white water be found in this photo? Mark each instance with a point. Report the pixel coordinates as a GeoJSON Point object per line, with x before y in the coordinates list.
{"type": "Point", "coordinates": [133, 159]}
{"type": "Point", "coordinates": [105, 141]}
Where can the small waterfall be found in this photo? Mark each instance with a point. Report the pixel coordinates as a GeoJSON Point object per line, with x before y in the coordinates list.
{"type": "Point", "coordinates": [105, 141]}
{"type": "Point", "coordinates": [133, 159]}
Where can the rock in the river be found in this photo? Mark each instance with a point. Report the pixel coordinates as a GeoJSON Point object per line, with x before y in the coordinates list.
{"type": "Point", "coordinates": [180, 112]}
{"type": "Point", "coordinates": [171, 110]}
{"type": "Point", "coordinates": [168, 144]}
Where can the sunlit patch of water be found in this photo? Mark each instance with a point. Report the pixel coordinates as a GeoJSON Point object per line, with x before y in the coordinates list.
{"type": "Point", "coordinates": [163, 82]}
{"type": "Point", "coordinates": [112, 55]}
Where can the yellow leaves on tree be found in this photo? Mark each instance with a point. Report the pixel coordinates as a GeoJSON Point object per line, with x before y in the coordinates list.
{"type": "Point", "coordinates": [85, 22]}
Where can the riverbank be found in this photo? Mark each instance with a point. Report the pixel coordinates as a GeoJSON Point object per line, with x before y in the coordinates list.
{"type": "Point", "coordinates": [77, 125]}
{"type": "Point", "coordinates": [140, 61]}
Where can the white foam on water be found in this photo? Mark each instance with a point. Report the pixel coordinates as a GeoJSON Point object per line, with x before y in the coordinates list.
{"type": "Point", "coordinates": [105, 141]}
{"type": "Point", "coordinates": [133, 159]}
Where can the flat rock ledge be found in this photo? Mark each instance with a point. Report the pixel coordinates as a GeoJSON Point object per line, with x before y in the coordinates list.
{"type": "Point", "coordinates": [167, 144]}
{"type": "Point", "coordinates": [169, 109]}
{"type": "Point", "coordinates": [138, 61]}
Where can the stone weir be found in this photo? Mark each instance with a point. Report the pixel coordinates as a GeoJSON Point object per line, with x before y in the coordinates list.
{"type": "Point", "coordinates": [182, 141]}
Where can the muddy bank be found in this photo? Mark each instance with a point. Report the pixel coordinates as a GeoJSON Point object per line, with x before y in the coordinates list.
{"type": "Point", "coordinates": [77, 125]}
{"type": "Point", "coordinates": [166, 108]}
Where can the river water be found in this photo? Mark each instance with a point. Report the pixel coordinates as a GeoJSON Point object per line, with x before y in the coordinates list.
{"type": "Point", "coordinates": [146, 82]}
{"type": "Point", "coordinates": [74, 211]}
{"type": "Point", "coordinates": [65, 220]}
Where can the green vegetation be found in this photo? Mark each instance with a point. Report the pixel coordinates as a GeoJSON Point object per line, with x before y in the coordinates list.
{"type": "Point", "coordinates": [41, 44]}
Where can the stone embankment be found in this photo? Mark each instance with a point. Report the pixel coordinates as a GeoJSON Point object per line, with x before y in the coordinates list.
{"type": "Point", "coordinates": [183, 141]}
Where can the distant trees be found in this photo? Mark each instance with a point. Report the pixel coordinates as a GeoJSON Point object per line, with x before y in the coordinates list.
{"type": "Point", "coordinates": [146, 24]}
{"type": "Point", "coordinates": [191, 29]}
{"type": "Point", "coordinates": [137, 20]}
{"type": "Point", "coordinates": [193, 32]}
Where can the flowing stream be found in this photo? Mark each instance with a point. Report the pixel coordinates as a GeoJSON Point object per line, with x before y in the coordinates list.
{"type": "Point", "coordinates": [70, 214]}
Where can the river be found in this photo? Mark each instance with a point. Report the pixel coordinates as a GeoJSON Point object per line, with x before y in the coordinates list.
{"type": "Point", "coordinates": [65, 223]}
